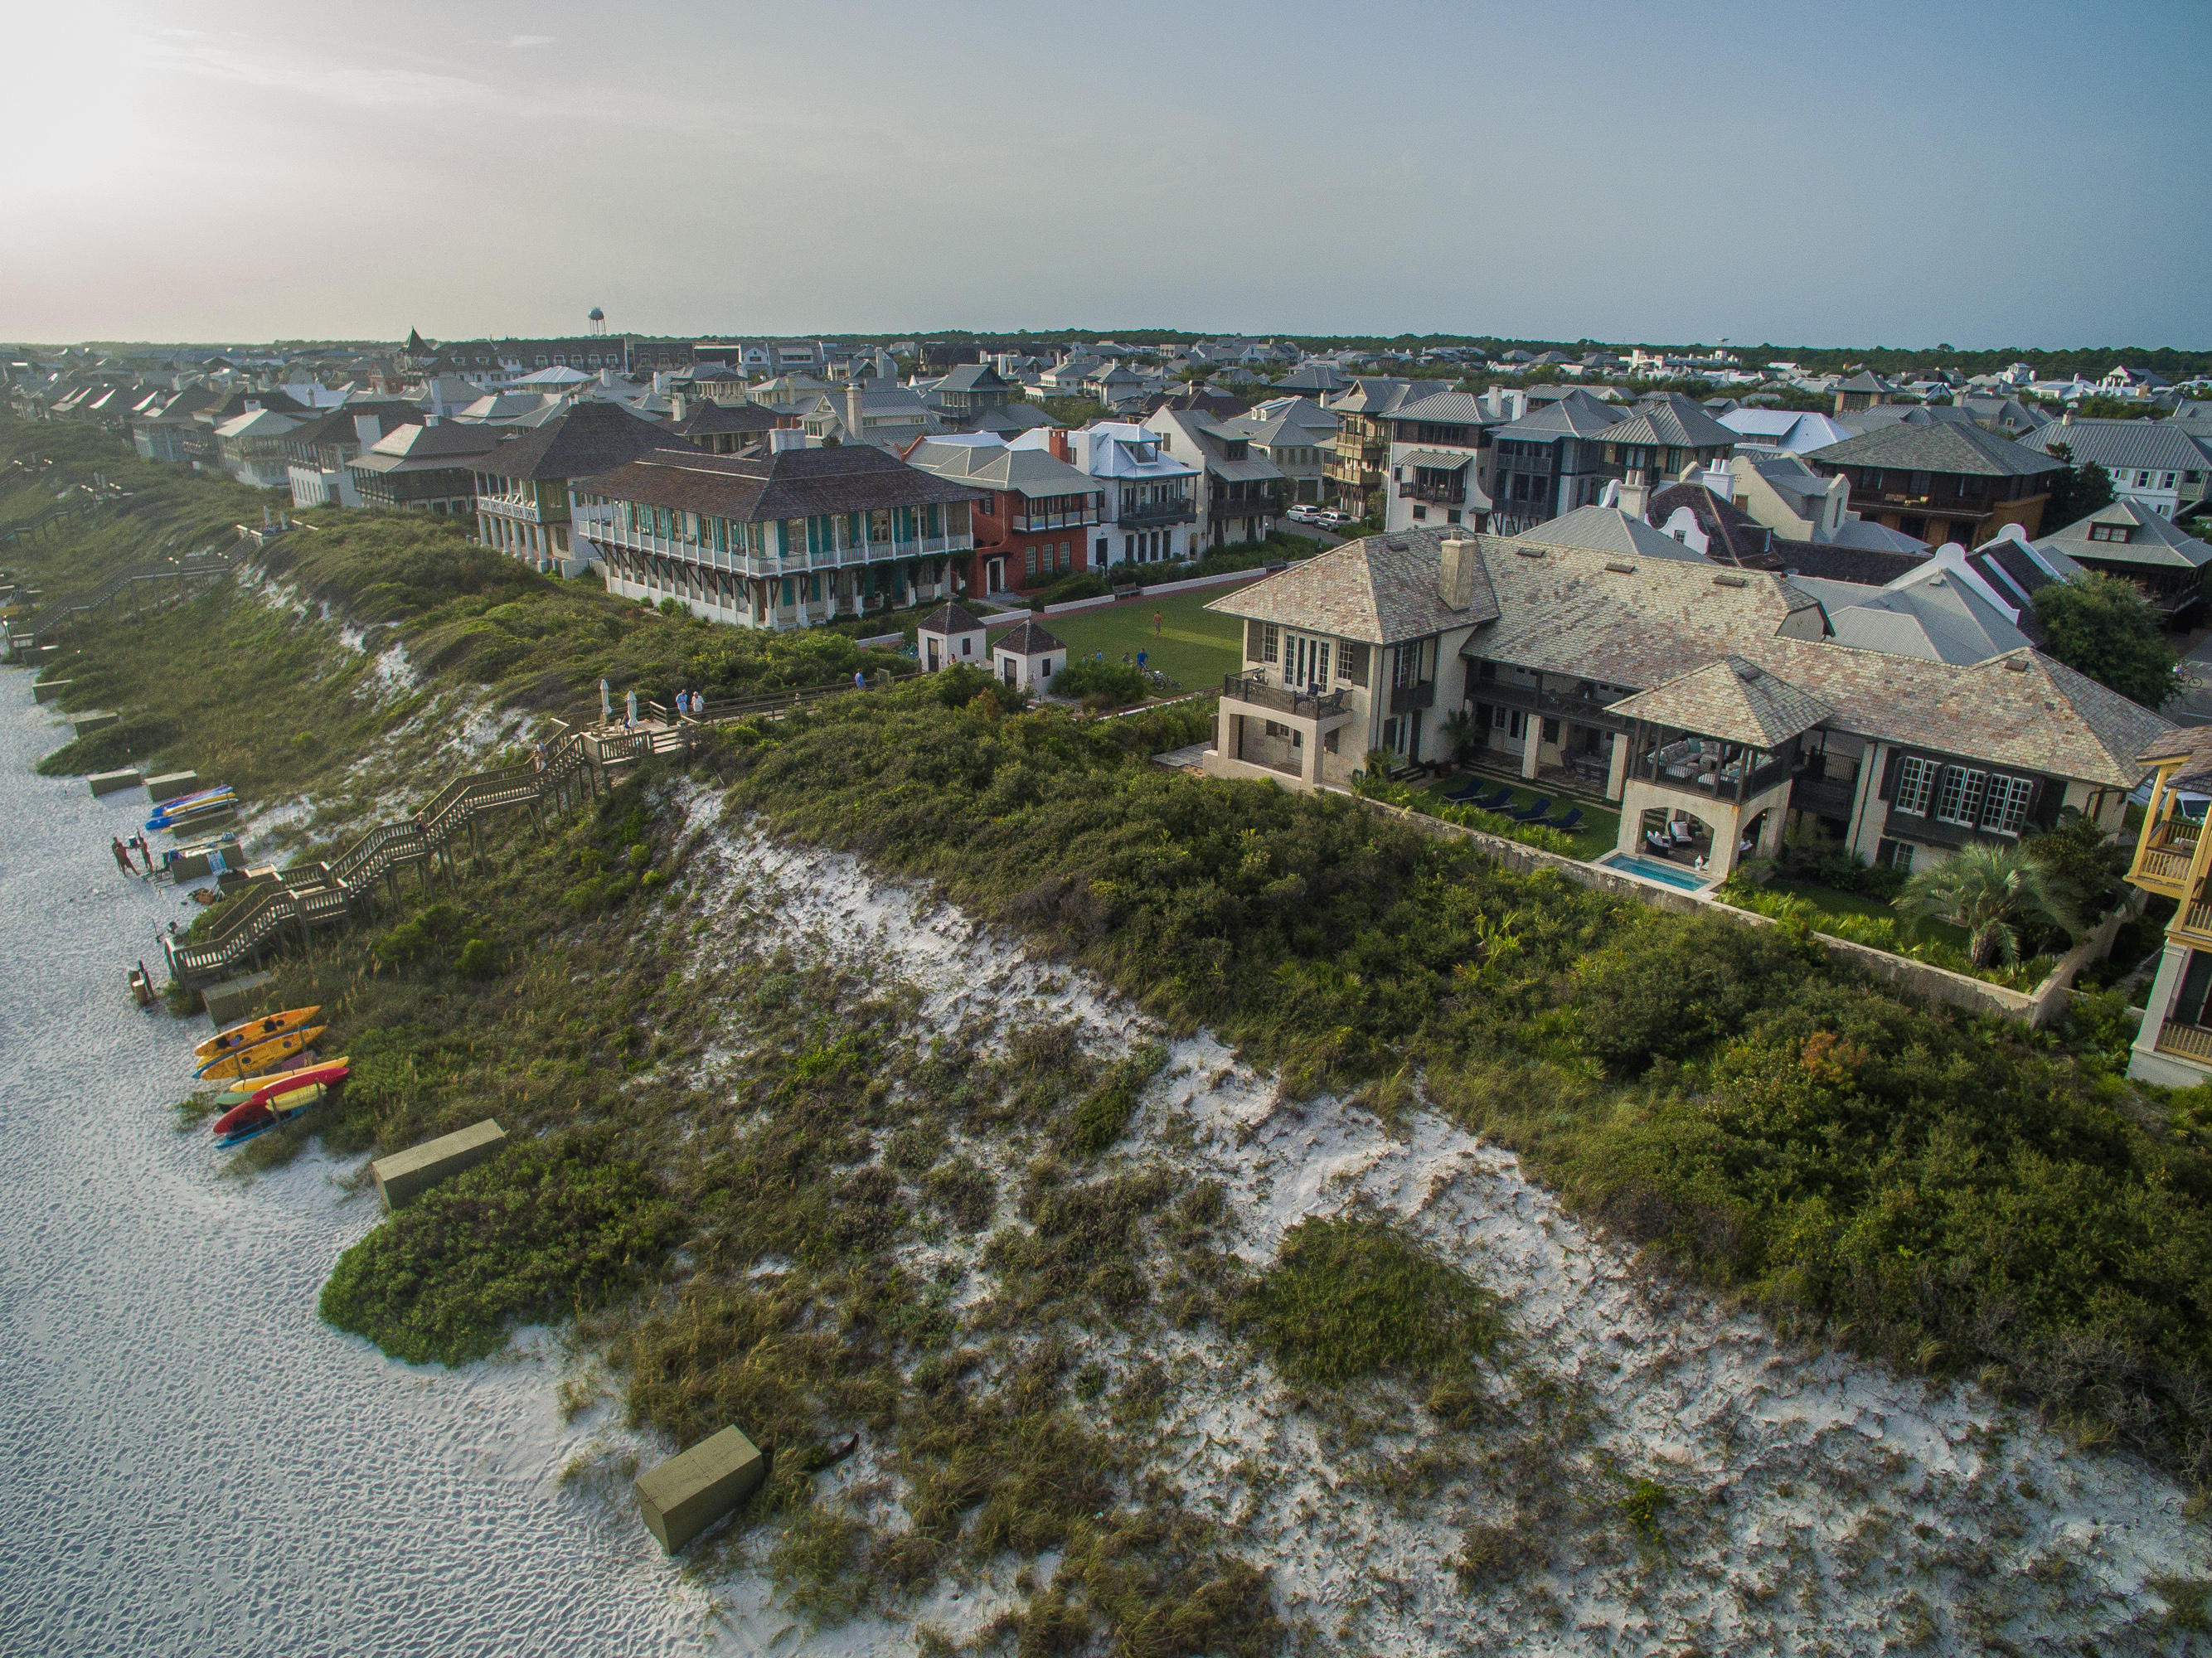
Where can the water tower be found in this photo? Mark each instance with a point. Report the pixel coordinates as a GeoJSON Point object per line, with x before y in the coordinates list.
{"type": "Point", "coordinates": [599, 320]}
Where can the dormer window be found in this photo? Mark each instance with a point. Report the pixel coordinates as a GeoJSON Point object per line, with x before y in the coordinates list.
{"type": "Point", "coordinates": [2108, 532]}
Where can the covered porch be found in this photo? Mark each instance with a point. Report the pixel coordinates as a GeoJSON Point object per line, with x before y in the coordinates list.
{"type": "Point", "coordinates": [1266, 730]}
{"type": "Point", "coordinates": [1715, 750]}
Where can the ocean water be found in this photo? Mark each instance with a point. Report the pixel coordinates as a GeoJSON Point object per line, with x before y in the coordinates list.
{"type": "Point", "coordinates": [190, 1461]}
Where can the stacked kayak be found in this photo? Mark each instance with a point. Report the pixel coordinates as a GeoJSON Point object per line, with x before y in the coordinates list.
{"type": "Point", "coordinates": [248, 1032]}
{"type": "Point", "coordinates": [274, 1099]}
{"type": "Point", "coordinates": [258, 1055]}
{"type": "Point", "coordinates": [189, 809]}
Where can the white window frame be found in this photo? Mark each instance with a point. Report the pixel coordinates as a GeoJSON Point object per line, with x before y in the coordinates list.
{"type": "Point", "coordinates": [1915, 780]}
{"type": "Point", "coordinates": [2005, 802]}
{"type": "Point", "coordinates": [1958, 798]}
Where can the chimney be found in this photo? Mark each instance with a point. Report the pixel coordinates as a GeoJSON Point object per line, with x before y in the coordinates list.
{"type": "Point", "coordinates": [367, 428]}
{"type": "Point", "coordinates": [662, 379]}
{"type": "Point", "coordinates": [1721, 481]}
{"type": "Point", "coordinates": [1456, 575]}
{"type": "Point", "coordinates": [677, 405]}
{"type": "Point", "coordinates": [853, 423]}
{"type": "Point", "coordinates": [1055, 441]}
{"type": "Point", "coordinates": [786, 437]}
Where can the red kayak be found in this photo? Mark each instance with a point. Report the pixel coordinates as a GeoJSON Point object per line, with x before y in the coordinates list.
{"type": "Point", "coordinates": [255, 1106]}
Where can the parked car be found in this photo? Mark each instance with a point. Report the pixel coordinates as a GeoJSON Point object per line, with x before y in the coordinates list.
{"type": "Point", "coordinates": [1329, 518]}
{"type": "Point", "coordinates": [1303, 514]}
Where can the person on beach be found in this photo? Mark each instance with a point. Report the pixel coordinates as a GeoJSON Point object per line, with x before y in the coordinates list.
{"type": "Point", "coordinates": [122, 854]}
{"type": "Point", "coordinates": [144, 851]}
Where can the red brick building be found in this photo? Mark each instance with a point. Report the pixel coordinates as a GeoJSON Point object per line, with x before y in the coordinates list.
{"type": "Point", "coordinates": [1031, 527]}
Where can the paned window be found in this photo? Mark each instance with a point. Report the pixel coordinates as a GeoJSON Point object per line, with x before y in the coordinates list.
{"type": "Point", "coordinates": [1271, 644]}
{"type": "Point", "coordinates": [2004, 803]}
{"type": "Point", "coordinates": [1959, 800]}
{"type": "Point", "coordinates": [1914, 777]}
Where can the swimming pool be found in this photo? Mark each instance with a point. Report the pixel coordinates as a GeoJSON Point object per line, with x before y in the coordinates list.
{"type": "Point", "coordinates": [1656, 869]}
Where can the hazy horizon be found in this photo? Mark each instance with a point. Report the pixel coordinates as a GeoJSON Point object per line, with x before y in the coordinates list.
{"type": "Point", "coordinates": [1986, 177]}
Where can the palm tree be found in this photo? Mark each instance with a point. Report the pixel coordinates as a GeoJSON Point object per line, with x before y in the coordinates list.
{"type": "Point", "coordinates": [1989, 891]}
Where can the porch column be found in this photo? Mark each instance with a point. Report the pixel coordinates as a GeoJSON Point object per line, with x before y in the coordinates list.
{"type": "Point", "coordinates": [2163, 989]}
{"type": "Point", "coordinates": [1532, 744]}
{"type": "Point", "coordinates": [1616, 775]}
{"type": "Point", "coordinates": [1309, 760]}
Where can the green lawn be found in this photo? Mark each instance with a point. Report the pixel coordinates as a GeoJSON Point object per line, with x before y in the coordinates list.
{"type": "Point", "coordinates": [1830, 901]}
{"type": "Point", "coordinates": [1593, 837]}
{"type": "Point", "coordinates": [1192, 645]}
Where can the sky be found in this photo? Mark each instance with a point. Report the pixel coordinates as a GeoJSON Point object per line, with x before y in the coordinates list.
{"type": "Point", "coordinates": [1981, 175]}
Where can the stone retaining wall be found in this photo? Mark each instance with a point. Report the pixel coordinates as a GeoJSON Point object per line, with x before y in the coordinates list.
{"type": "Point", "coordinates": [1919, 980]}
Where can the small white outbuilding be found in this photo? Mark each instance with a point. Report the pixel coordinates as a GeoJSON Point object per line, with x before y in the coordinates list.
{"type": "Point", "coordinates": [949, 634]}
{"type": "Point", "coordinates": [1027, 658]}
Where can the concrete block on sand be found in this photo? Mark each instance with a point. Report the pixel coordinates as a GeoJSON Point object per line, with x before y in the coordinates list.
{"type": "Point", "coordinates": [51, 690]}
{"type": "Point", "coordinates": [172, 784]}
{"type": "Point", "coordinates": [237, 999]}
{"type": "Point", "coordinates": [406, 1175]}
{"type": "Point", "coordinates": [82, 723]}
{"type": "Point", "coordinates": [686, 1494]}
{"type": "Point", "coordinates": [106, 782]}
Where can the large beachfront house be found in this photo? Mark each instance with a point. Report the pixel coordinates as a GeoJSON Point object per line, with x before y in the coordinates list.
{"type": "Point", "coordinates": [1680, 688]}
{"type": "Point", "coordinates": [786, 540]}
{"type": "Point", "coordinates": [2174, 860]}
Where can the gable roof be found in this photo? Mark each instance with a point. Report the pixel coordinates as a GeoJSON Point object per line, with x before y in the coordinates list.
{"type": "Point", "coordinates": [1733, 536]}
{"type": "Point", "coordinates": [1608, 530]}
{"type": "Point", "coordinates": [586, 438]}
{"type": "Point", "coordinates": [1928, 612]}
{"type": "Point", "coordinates": [1957, 447]}
{"type": "Point", "coordinates": [1733, 699]}
{"type": "Point", "coordinates": [1378, 590]}
{"type": "Point", "coordinates": [710, 416]}
{"type": "Point", "coordinates": [1575, 415]}
{"type": "Point", "coordinates": [850, 478]}
{"type": "Point", "coordinates": [2144, 445]}
{"type": "Point", "coordinates": [1671, 420]}
{"type": "Point", "coordinates": [2151, 540]}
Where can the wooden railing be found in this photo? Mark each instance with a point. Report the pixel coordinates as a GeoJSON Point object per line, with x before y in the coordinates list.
{"type": "Point", "coordinates": [2190, 1040]}
{"type": "Point", "coordinates": [297, 900]}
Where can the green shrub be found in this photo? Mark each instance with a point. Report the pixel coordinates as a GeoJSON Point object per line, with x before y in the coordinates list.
{"type": "Point", "coordinates": [1069, 588]}
{"type": "Point", "coordinates": [1349, 1298]}
{"type": "Point", "coordinates": [477, 960]}
{"type": "Point", "coordinates": [543, 1230]}
{"type": "Point", "coordinates": [1113, 683]}
{"type": "Point", "coordinates": [1098, 1120]}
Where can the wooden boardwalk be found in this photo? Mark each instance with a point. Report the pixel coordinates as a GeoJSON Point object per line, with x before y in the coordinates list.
{"type": "Point", "coordinates": [576, 765]}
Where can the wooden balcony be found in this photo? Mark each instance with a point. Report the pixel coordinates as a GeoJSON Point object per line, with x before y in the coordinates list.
{"type": "Point", "coordinates": [2162, 863]}
{"type": "Point", "coordinates": [1252, 690]}
{"type": "Point", "coordinates": [2187, 1041]}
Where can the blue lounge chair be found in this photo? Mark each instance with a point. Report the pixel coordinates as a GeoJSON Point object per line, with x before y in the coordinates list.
{"type": "Point", "coordinates": [1499, 801]}
{"type": "Point", "coordinates": [1466, 792]}
{"type": "Point", "coordinates": [1568, 822]}
{"type": "Point", "coordinates": [1543, 805]}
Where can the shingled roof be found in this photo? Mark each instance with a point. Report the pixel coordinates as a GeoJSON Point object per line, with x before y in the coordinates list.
{"type": "Point", "coordinates": [850, 478]}
{"type": "Point", "coordinates": [1733, 699]}
{"type": "Point", "coordinates": [1674, 421]}
{"type": "Point", "coordinates": [1028, 640]}
{"type": "Point", "coordinates": [1941, 446]}
{"type": "Point", "coordinates": [590, 437]}
{"type": "Point", "coordinates": [1378, 590]}
{"type": "Point", "coordinates": [2149, 539]}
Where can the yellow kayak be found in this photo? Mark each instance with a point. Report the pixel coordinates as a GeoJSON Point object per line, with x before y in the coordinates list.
{"type": "Point", "coordinates": [247, 1061]}
{"type": "Point", "coordinates": [246, 1085]}
{"type": "Point", "coordinates": [249, 1031]}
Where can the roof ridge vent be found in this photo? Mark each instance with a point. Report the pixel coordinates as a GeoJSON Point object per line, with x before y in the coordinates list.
{"type": "Point", "coordinates": [1530, 552]}
{"type": "Point", "coordinates": [1747, 672]}
{"type": "Point", "coordinates": [2015, 664]}
{"type": "Point", "coordinates": [1394, 546]}
{"type": "Point", "coordinates": [1730, 582]}
{"type": "Point", "coordinates": [1618, 569]}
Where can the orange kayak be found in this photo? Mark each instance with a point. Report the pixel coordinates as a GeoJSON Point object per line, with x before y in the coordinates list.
{"type": "Point", "coordinates": [245, 1061]}
{"type": "Point", "coordinates": [248, 1032]}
